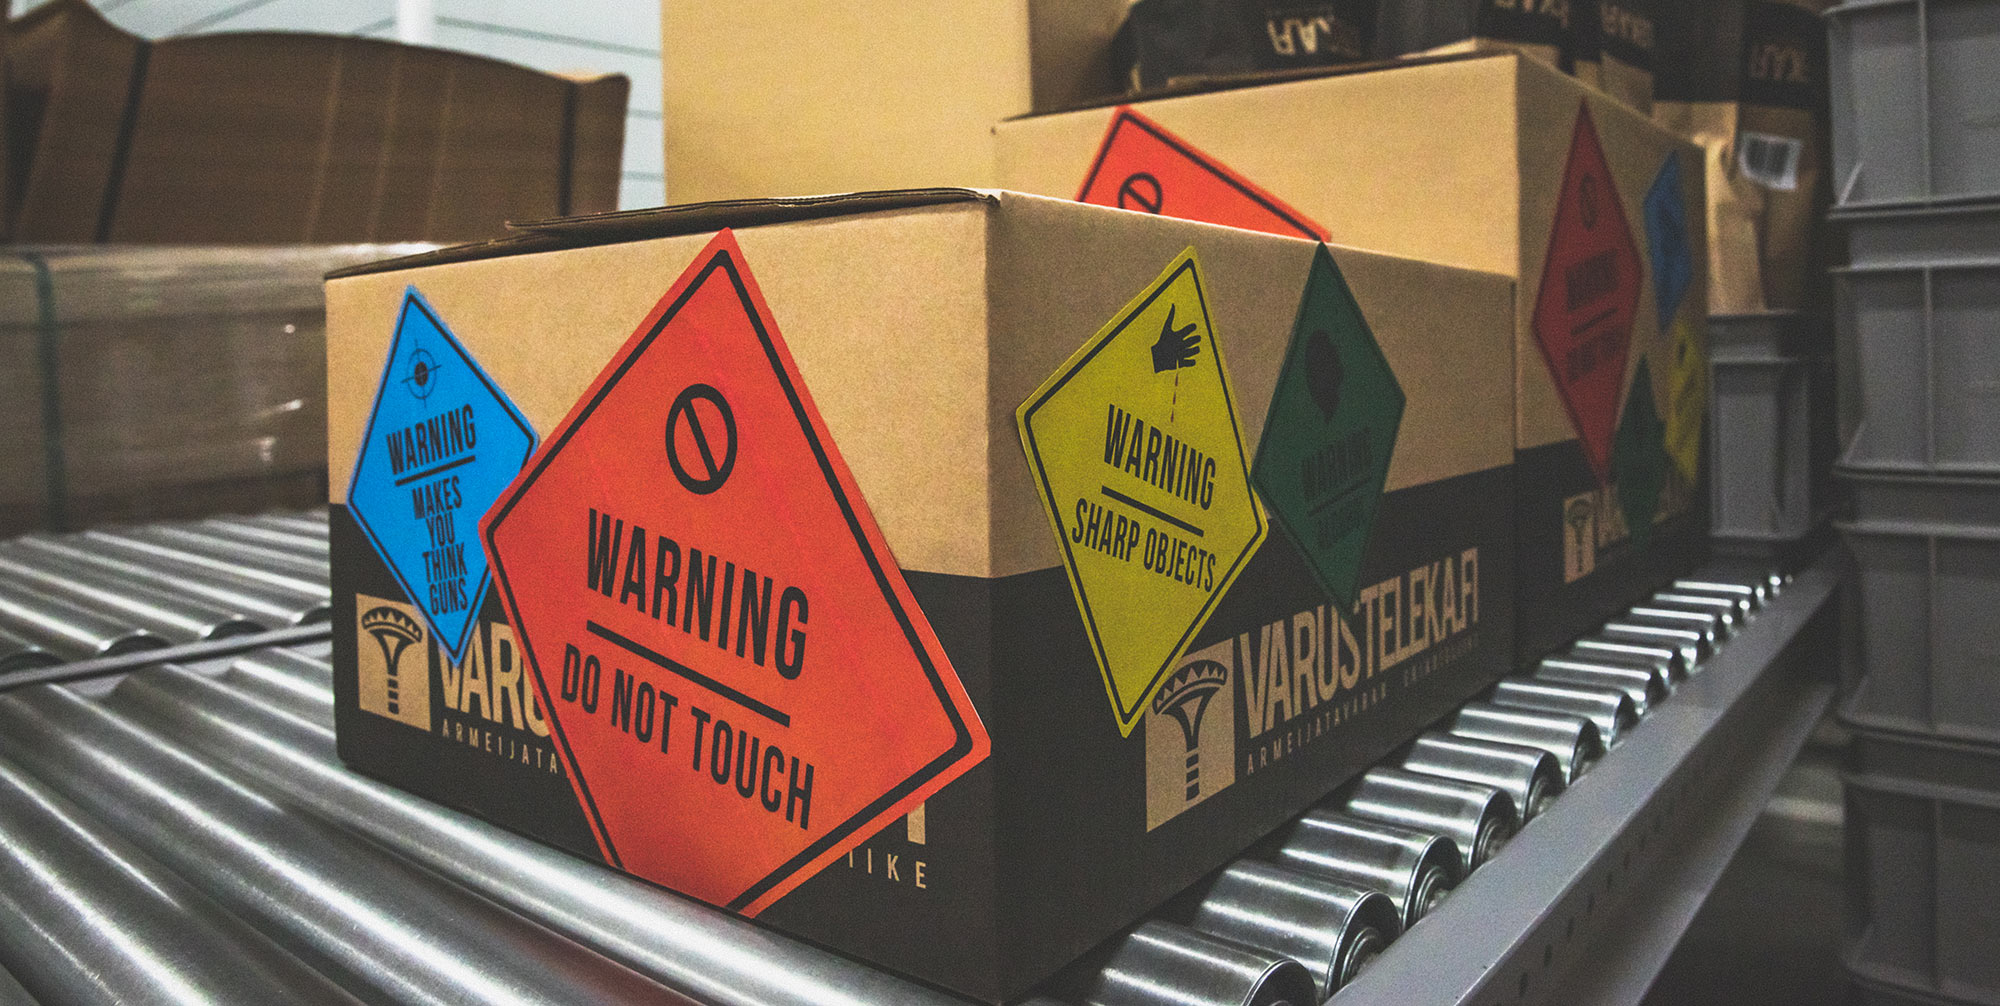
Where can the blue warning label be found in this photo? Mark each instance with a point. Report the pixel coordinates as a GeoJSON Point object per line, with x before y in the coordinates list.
{"type": "Point", "coordinates": [442, 443]}
{"type": "Point", "coordinates": [1667, 240]}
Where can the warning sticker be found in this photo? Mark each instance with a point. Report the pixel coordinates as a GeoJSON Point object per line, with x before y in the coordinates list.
{"type": "Point", "coordinates": [1639, 462]}
{"type": "Point", "coordinates": [736, 673]}
{"type": "Point", "coordinates": [442, 443]}
{"type": "Point", "coordinates": [1141, 166]}
{"type": "Point", "coordinates": [1589, 296]}
{"type": "Point", "coordinates": [1667, 240]}
{"type": "Point", "coordinates": [1138, 455]}
{"type": "Point", "coordinates": [1330, 432]}
{"type": "Point", "coordinates": [1687, 396]}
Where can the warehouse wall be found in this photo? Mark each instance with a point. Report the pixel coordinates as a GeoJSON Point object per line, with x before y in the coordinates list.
{"type": "Point", "coordinates": [610, 36]}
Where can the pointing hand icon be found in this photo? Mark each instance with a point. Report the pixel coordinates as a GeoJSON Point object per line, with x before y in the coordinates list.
{"type": "Point", "coordinates": [1177, 347]}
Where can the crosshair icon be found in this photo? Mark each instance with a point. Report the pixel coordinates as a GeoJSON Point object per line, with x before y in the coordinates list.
{"type": "Point", "coordinates": [421, 377]}
{"type": "Point", "coordinates": [704, 469]}
{"type": "Point", "coordinates": [1141, 192]}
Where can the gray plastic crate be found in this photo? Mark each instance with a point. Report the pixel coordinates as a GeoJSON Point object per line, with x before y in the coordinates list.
{"type": "Point", "coordinates": [1760, 416]}
{"type": "Point", "coordinates": [1765, 334]}
{"type": "Point", "coordinates": [1914, 89]}
{"type": "Point", "coordinates": [1927, 337]}
{"type": "Point", "coordinates": [1927, 583]}
{"type": "Point", "coordinates": [1923, 866]}
{"type": "Point", "coordinates": [1918, 235]}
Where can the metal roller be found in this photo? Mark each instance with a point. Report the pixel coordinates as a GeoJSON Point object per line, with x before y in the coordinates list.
{"type": "Point", "coordinates": [1758, 594]}
{"type": "Point", "coordinates": [142, 550]}
{"type": "Point", "coordinates": [18, 652]}
{"type": "Point", "coordinates": [1609, 708]}
{"type": "Point", "coordinates": [1164, 964]}
{"type": "Point", "coordinates": [1644, 684]}
{"type": "Point", "coordinates": [1693, 646]}
{"type": "Point", "coordinates": [708, 954]}
{"type": "Point", "coordinates": [1528, 776]}
{"type": "Point", "coordinates": [1668, 658]}
{"type": "Point", "coordinates": [377, 924]}
{"type": "Point", "coordinates": [177, 618]}
{"type": "Point", "coordinates": [241, 553]}
{"type": "Point", "coordinates": [310, 546]}
{"type": "Point", "coordinates": [289, 681]}
{"type": "Point", "coordinates": [1414, 869]}
{"type": "Point", "coordinates": [67, 629]}
{"type": "Point", "coordinates": [303, 522]}
{"type": "Point", "coordinates": [89, 918]}
{"type": "Point", "coordinates": [274, 604]}
{"type": "Point", "coordinates": [1478, 819]}
{"type": "Point", "coordinates": [1711, 625]}
{"type": "Point", "coordinates": [1734, 610]}
{"type": "Point", "coordinates": [1572, 739]}
{"type": "Point", "coordinates": [1331, 928]}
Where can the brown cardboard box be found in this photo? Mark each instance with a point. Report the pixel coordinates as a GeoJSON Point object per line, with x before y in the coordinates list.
{"type": "Point", "coordinates": [273, 137]}
{"type": "Point", "coordinates": [767, 98]}
{"type": "Point", "coordinates": [1465, 160]}
{"type": "Point", "coordinates": [919, 323]}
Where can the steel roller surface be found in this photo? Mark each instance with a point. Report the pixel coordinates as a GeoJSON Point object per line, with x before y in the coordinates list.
{"type": "Point", "coordinates": [296, 684]}
{"type": "Point", "coordinates": [260, 600]}
{"type": "Point", "coordinates": [229, 549]}
{"type": "Point", "coordinates": [1610, 709]}
{"type": "Point", "coordinates": [1478, 819]}
{"type": "Point", "coordinates": [1710, 624]}
{"type": "Point", "coordinates": [379, 925]}
{"type": "Point", "coordinates": [1414, 869]}
{"type": "Point", "coordinates": [1693, 647]}
{"type": "Point", "coordinates": [174, 618]}
{"type": "Point", "coordinates": [1734, 610]}
{"type": "Point", "coordinates": [89, 918]}
{"type": "Point", "coordinates": [1165, 964]}
{"type": "Point", "coordinates": [1333, 929]}
{"type": "Point", "coordinates": [139, 549]}
{"type": "Point", "coordinates": [310, 545]}
{"type": "Point", "coordinates": [1757, 594]}
{"type": "Point", "coordinates": [708, 954]}
{"type": "Point", "coordinates": [1572, 739]}
{"type": "Point", "coordinates": [1670, 659]}
{"type": "Point", "coordinates": [1643, 684]}
{"type": "Point", "coordinates": [11, 992]}
{"type": "Point", "coordinates": [1528, 776]}
{"type": "Point", "coordinates": [303, 522]}
{"type": "Point", "coordinates": [67, 629]}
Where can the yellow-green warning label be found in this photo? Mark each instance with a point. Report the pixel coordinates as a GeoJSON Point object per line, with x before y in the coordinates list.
{"type": "Point", "coordinates": [1138, 455]}
{"type": "Point", "coordinates": [1687, 396]}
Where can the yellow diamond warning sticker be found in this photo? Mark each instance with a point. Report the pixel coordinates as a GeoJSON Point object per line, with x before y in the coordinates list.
{"type": "Point", "coordinates": [1687, 396]}
{"type": "Point", "coordinates": [1138, 455]}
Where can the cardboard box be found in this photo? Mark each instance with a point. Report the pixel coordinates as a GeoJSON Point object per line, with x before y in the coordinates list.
{"type": "Point", "coordinates": [1479, 162]}
{"type": "Point", "coordinates": [282, 137]}
{"type": "Point", "coordinates": [945, 341]}
{"type": "Point", "coordinates": [765, 98]}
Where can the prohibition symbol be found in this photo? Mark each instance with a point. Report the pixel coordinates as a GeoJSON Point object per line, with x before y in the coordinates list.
{"type": "Point", "coordinates": [1141, 192]}
{"type": "Point", "coordinates": [703, 473]}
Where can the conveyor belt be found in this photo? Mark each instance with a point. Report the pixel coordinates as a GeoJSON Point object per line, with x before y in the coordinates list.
{"type": "Point", "coordinates": [184, 832]}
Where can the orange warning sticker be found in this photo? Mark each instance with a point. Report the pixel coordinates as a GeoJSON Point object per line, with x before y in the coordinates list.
{"type": "Point", "coordinates": [737, 676]}
{"type": "Point", "coordinates": [1141, 166]}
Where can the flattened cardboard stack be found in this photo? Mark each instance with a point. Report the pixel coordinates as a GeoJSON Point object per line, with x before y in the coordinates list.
{"type": "Point", "coordinates": [290, 138]}
{"type": "Point", "coordinates": [938, 348]}
{"type": "Point", "coordinates": [1499, 163]}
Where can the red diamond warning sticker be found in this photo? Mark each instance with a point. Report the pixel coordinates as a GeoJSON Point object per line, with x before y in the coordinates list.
{"type": "Point", "coordinates": [1589, 296]}
{"type": "Point", "coordinates": [1141, 166]}
{"type": "Point", "coordinates": [735, 672]}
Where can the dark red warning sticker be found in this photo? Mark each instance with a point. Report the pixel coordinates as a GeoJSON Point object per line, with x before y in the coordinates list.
{"type": "Point", "coordinates": [1589, 296]}
{"type": "Point", "coordinates": [735, 671]}
{"type": "Point", "coordinates": [1141, 166]}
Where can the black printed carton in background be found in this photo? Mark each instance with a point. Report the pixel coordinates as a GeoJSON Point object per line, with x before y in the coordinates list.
{"type": "Point", "coordinates": [919, 323]}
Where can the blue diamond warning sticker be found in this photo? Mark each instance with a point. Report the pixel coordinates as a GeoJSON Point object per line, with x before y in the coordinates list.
{"type": "Point", "coordinates": [442, 443]}
{"type": "Point", "coordinates": [1667, 240]}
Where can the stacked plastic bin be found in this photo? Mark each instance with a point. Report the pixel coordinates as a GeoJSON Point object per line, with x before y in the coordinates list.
{"type": "Point", "coordinates": [1771, 414]}
{"type": "Point", "coordinates": [1916, 113]}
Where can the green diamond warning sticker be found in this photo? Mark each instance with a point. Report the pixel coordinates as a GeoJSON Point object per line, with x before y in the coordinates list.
{"type": "Point", "coordinates": [1639, 457]}
{"type": "Point", "coordinates": [1136, 450]}
{"type": "Point", "coordinates": [1330, 432]}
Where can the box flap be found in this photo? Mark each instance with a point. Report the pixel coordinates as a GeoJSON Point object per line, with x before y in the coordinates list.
{"type": "Point", "coordinates": [668, 221]}
{"type": "Point", "coordinates": [1204, 83]}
